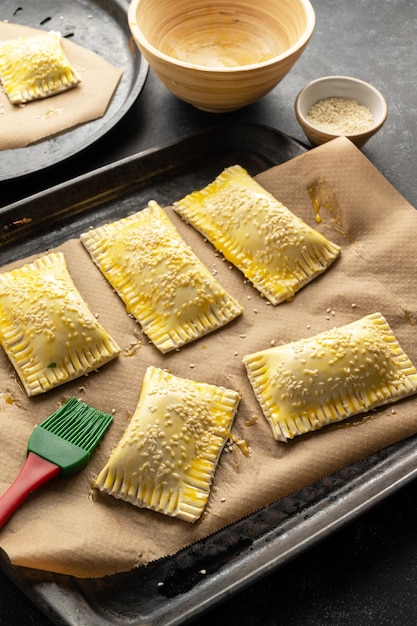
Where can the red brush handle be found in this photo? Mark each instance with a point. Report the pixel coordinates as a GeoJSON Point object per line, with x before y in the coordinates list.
{"type": "Point", "coordinates": [35, 473]}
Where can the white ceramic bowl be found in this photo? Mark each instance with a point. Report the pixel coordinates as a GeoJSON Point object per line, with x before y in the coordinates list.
{"type": "Point", "coordinates": [345, 87]}
{"type": "Point", "coordinates": [220, 55]}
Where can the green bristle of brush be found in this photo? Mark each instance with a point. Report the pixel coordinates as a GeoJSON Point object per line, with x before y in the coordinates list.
{"type": "Point", "coordinates": [69, 436]}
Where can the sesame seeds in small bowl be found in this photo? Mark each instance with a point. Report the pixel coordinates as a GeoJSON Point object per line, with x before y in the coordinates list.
{"type": "Point", "coordinates": [336, 106]}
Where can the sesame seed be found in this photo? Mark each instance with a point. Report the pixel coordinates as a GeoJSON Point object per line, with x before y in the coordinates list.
{"type": "Point", "coordinates": [340, 115]}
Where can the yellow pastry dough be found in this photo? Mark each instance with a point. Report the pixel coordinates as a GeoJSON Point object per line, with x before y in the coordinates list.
{"type": "Point", "coordinates": [168, 454]}
{"type": "Point", "coordinates": [307, 384]}
{"type": "Point", "coordinates": [159, 278]}
{"type": "Point", "coordinates": [46, 328]}
{"type": "Point", "coordinates": [275, 250]}
{"type": "Point", "coordinates": [35, 67]}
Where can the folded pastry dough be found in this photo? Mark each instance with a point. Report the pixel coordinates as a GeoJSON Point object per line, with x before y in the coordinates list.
{"type": "Point", "coordinates": [46, 328]}
{"type": "Point", "coordinates": [307, 384]}
{"type": "Point", "coordinates": [35, 67]}
{"type": "Point", "coordinates": [159, 278]}
{"type": "Point", "coordinates": [275, 250]}
{"type": "Point", "coordinates": [168, 454]}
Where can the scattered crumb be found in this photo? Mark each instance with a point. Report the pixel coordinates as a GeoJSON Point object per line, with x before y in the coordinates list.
{"type": "Point", "coordinates": [92, 496]}
{"type": "Point", "coordinates": [132, 348]}
{"type": "Point", "coordinates": [251, 421]}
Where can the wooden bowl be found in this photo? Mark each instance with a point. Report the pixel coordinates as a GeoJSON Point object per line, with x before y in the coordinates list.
{"type": "Point", "coordinates": [340, 87]}
{"type": "Point", "coordinates": [221, 55]}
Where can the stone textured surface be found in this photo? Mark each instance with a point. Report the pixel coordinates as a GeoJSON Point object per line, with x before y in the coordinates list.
{"type": "Point", "coordinates": [365, 573]}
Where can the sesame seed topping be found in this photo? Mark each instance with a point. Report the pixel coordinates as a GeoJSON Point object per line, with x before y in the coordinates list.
{"type": "Point", "coordinates": [325, 378]}
{"type": "Point", "coordinates": [175, 448]}
{"type": "Point", "coordinates": [164, 285]}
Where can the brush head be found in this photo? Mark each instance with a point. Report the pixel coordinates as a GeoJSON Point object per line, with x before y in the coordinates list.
{"type": "Point", "coordinates": [69, 436]}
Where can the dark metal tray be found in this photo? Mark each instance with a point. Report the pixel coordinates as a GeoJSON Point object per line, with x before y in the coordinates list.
{"type": "Point", "coordinates": [211, 570]}
{"type": "Point", "coordinates": [101, 26]}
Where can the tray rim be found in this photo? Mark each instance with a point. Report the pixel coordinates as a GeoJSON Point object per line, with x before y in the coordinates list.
{"type": "Point", "coordinates": [296, 537]}
{"type": "Point", "coordinates": [14, 216]}
{"type": "Point", "coordinates": [301, 532]}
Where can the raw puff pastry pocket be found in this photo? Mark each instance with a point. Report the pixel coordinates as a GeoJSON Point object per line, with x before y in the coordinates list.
{"type": "Point", "coordinates": [46, 328]}
{"type": "Point", "coordinates": [304, 385]}
{"type": "Point", "coordinates": [167, 457]}
{"type": "Point", "coordinates": [35, 67]}
{"type": "Point", "coordinates": [159, 278]}
{"type": "Point", "coordinates": [273, 248]}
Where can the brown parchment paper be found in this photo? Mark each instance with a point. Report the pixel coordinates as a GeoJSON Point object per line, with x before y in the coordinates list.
{"type": "Point", "coordinates": [23, 125]}
{"type": "Point", "coordinates": [63, 528]}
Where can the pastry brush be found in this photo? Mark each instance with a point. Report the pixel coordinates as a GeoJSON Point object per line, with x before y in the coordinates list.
{"type": "Point", "coordinates": [60, 446]}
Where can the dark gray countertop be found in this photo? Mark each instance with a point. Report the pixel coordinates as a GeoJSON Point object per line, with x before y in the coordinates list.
{"type": "Point", "coordinates": [365, 573]}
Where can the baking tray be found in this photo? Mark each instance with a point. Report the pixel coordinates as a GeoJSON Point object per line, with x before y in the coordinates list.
{"type": "Point", "coordinates": [101, 26]}
{"type": "Point", "coordinates": [175, 590]}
